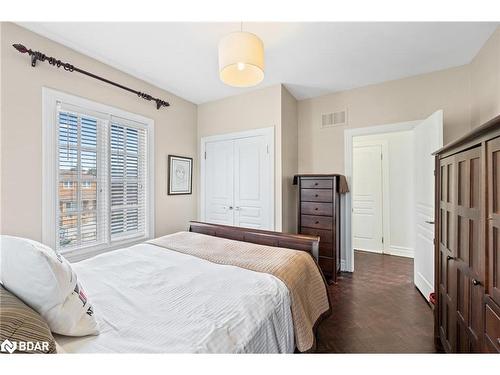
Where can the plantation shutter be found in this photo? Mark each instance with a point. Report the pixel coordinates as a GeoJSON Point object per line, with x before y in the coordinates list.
{"type": "Point", "coordinates": [128, 178]}
{"type": "Point", "coordinates": [101, 179]}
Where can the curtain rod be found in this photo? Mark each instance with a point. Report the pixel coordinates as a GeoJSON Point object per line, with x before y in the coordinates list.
{"type": "Point", "coordinates": [36, 55]}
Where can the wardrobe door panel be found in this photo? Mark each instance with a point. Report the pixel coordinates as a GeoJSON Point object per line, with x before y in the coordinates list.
{"type": "Point", "coordinates": [469, 261]}
{"type": "Point", "coordinates": [446, 277]}
{"type": "Point", "coordinates": [493, 216]}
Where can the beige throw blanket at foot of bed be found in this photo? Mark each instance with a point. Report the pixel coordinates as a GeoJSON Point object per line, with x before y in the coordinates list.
{"type": "Point", "coordinates": [297, 269]}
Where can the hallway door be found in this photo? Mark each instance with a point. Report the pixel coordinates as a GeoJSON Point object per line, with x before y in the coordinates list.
{"type": "Point", "coordinates": [428, 138]}
{"type": "Point", "coordinates": [367, 215]}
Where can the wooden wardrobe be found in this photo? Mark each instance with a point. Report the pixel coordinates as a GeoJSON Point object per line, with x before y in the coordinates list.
{"type": "Point", "coordinates": [467, 242]}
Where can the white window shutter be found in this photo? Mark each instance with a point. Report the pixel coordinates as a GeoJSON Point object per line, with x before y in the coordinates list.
{"type": "Point", "coordinates": [101, 180]}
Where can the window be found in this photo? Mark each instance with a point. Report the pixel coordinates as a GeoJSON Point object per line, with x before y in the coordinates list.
{"type": "Point", "coordinates": [102, 185]}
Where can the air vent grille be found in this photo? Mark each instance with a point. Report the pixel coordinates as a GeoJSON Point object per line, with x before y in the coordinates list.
{"type": "Point", "coordinates": [338, 118]}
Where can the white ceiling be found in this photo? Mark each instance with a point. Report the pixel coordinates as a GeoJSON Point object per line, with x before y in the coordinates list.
{"type": "Point", "coordinates": [311, 59]}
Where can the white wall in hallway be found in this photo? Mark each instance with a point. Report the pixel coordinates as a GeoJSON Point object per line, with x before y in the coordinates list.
{"type": "Point", "coordinates": [401, 190]}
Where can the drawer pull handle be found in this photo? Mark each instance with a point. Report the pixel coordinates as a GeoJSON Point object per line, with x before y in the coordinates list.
{"type": "Point", "coordinates": [317, 222]}
{"type": "Point", "coordinates": [316, 195]}
{"type": "Point", "coordinates": [475, 282]}
{"type": "Point", "coordinates": [449, 257]}
{"type": "Point", "coordinates": [315, 184]}
{"type": "Point", "coordinates": [316, 209]}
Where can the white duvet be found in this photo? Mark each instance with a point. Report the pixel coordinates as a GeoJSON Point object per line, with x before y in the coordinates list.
{"type": "Point", "coordinates": [151, 300]}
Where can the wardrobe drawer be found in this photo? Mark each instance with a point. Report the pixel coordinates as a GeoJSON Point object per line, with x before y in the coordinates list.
{"type": "Point", "coordinates": [313, 208]}
{"type": "Point", "coordinates": [492, 327]}
{"type": "Point", "coordinates": [316, 195]}
{"type": "Point", "coordinates": [325, 236]}
{"type": "Point", "coordinates": [316, 184]}
{"type": "Point", "coordinates": [320, 222]}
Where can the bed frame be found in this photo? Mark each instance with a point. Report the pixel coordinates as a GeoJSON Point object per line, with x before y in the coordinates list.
{"type": "Point", "coordinates": [262, 237]}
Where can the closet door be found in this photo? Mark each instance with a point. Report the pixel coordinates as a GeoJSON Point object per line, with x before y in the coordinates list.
{"type": "Point", "coordinates": [493, 150]}
{"type": "Point", "coordinates": [219, 182]}
{"type": "Point", "coordinates": [252, 183]}
{"type": "Point", "coordinates": [469, 250]}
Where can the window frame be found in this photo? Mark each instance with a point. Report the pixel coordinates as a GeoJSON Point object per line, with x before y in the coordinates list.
{"type": "Point", "coordinates": [50, 100]}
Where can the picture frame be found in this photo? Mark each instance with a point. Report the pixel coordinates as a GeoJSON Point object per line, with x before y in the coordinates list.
{"type": "Point", "coordinates": [180, 175]}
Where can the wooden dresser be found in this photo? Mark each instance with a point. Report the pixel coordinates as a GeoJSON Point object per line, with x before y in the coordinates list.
{"type": "Point", "coordinates": [467, 242]}
{"type": "Point", "coordinates": [319, 215]}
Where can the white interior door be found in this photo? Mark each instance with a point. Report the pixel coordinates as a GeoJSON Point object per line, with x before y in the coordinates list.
{"type": "Point", "coordinates": [252, 183]}
{"type": "Point", "coordinates": [428, 138]}
{"type": "Point", "coordinates": [367, 215]}
{"type": "Point", "coordinates": [219, 182]}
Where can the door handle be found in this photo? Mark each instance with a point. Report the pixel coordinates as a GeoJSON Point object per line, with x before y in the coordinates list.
{"type": "Point", "coordinates": [475, 282]}
{"type": "Point", "coordinates": [230, 207]}
{"type": "Point", "coordinates": [237, 208]}
{"type": "Point", "coordinates": [449, 257]}
{"type": "Point", "coordinates": [429, 222]}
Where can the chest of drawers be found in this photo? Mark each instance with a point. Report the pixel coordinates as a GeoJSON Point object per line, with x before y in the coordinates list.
{"type": "Point", "coordinates": [319, 215]}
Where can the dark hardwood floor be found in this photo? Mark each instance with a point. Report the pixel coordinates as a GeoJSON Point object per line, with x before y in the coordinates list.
{"type": "Point", "coordinates": [377, 309]}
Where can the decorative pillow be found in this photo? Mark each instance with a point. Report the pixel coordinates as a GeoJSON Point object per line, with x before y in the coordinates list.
{"type": "Point", "coordinates": [22, 329]}
{"type": "Point", "coordinates": [44, 280]}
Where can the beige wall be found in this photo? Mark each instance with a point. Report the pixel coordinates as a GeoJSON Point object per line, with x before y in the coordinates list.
{"type": "Point", "coordinates": [257, 109]}
{"type": "Point", "coordinates": [485, 81]}
{"type": "Point", "coordinates": [414, 98]}
{"type": "Point", "coordinates": [289, 159]}
{"type": "Point", "coordinates": [21, 128]}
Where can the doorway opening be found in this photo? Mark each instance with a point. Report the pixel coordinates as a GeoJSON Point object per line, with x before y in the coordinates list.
{"type": "Point", "coordinates": [390, 209]}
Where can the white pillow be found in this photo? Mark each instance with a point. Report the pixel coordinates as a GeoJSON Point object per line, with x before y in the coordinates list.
{"type": "Point", "coordinates": [43, 279]}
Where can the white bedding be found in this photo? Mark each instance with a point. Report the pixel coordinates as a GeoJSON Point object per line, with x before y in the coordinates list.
{"type": "Point", "coordinates": [151, 300]}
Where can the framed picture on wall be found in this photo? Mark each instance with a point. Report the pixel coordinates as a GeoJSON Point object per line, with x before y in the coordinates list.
{"type": "Point", "coordinates": [180, 175]}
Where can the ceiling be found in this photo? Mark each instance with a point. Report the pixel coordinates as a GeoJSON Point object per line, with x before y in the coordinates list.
{"type": "Point", "coordinates": [311, 59]}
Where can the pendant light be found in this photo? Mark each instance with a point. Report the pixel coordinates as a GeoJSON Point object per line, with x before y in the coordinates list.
{"type": "Point", "coordinates": [241, 59]}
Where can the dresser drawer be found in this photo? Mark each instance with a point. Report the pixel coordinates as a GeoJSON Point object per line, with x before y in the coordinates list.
{"type": "Point", "coordinates": [492, 327]}
{"type": "Point", "coordinates": [326, 236]}
{"type": "Point", "coordinates": [314, 208]}
{"type": "Point", "coordinates": [316, 195]}
{"type": "Point", "coordinates": [316, 184]}
{"type": "Point", "coordinates": [325, 249]}
{"type": "Point", "coordinates": [326, 265]}
{"type": "Point", "coordinates": [320, 222]}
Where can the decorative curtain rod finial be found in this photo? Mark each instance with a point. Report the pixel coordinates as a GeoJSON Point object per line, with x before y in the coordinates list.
{"type": "Point", "coordinates": [37, 55]}
{"type": "Point", "coordinates": [20, 48]}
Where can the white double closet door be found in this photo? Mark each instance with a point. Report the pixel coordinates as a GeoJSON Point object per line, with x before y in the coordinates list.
{"type": "Point", "coordinates": [238, 182]}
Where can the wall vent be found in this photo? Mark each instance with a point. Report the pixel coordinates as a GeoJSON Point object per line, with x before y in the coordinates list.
{"type": "Point", "coordinates": [338, 118]}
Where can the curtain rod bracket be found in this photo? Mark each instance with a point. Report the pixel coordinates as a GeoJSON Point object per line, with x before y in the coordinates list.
{"type": "Point", "coordinates": [39, 56]}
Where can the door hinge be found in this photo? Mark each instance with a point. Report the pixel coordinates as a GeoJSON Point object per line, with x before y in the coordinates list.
{"type": "Point", "coordinates": [205, 155]}
{"type": "Point", "coordinates": [381, 156]}
{"type": "Point", "coordinates": [267, 149]}
{"type": "Point", "coordinates": [382, 239]}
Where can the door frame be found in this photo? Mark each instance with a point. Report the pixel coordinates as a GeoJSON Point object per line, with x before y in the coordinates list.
{"type": "Point", "coordinates": [386, 222]}
{"type": "Point", "coordinates": [269, 134]}
{"type": "Point", "coordinates": [349, 134]}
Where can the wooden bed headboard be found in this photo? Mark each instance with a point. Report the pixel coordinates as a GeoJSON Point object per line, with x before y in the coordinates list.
{"type": "Point", "coordinates": [261, 237]}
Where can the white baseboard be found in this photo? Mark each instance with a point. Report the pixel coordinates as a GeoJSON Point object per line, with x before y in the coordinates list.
{"type": "Point", "coordinates": [401, 251]}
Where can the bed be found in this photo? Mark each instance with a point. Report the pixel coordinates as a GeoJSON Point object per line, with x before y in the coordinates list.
{"type": "Point", "coordinates": [156, 297]}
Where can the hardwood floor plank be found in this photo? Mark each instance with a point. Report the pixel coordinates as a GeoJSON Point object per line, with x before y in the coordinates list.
{"type": "Point", "coordinates": [377, 309]}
